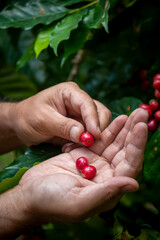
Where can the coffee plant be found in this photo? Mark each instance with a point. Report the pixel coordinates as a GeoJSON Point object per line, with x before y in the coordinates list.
{"type": "Point", "coordinates": [111, 49]}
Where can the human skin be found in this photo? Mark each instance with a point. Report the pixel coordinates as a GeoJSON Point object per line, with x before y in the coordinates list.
{"type": "Point", "coordinates": [55, 191]}
{"type": "Point", "coordinates": [57, 114]}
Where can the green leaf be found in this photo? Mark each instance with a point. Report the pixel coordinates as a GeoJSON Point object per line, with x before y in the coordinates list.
{"type": "Point", "coordinates": [26, 57]}
{"type": "Point", "coordinates": [27, 14]}
{"type": "Point", "coordinates": [125, 105]}
{"type": "Point", "coordinates": [152, 163]}
{"type": "Point", "coordinates": [42, 40]}
{"type": "Point", "coordinates": [63, 29]}
{"type": "Point", "coordinates": [15, 85]}
{"type": "Point", "coordinates": [94, 17]}
{"type": "Point", "coordinates": [106, 17]}
{"type": "Point", "coordinates": [152, 168]}
{"type": "Point", "coordinates": [98, 15]}
{"type": "Point", "coordinates": [11, 175]}
{"type": "Point", "coordinates": [76, 41]}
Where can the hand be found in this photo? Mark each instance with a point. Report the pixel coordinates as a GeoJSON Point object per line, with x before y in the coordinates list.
{"type": "Point", "coordinates": [55, 191]}
{"type": "Point", "coordinates": [60, 112]}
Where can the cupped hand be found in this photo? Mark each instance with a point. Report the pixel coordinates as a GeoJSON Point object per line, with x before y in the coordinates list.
{"type": "Point", "coordinates": [63, 111]}
{"type": "Point", "coordinates": [55, 191]}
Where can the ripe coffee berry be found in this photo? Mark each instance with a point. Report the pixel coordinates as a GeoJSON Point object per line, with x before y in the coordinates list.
{"type": "Point", "coordinates": [154, 104]}
{"type": "Point", "coordinates": [81, 162]}
{"type": "Point", "coordinates": [156, 84]}
{"type": "Point", "coordinates": [157, 93]}
{"type": "Point", "coordinates": [156, 77]}
{"type": "Point", "coordinates": [88, 172]}
{"type": "Point", "coordinates": [152, 125]}
{"type": "Point", "coordinates": [147, 108]}
{"type": "Point", "coordinates": [157, 116]}
{"type": "Point", "coordinates": [87, 139]}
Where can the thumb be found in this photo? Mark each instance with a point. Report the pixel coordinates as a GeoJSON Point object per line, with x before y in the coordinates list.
{"type": "Point", "coordinates": [67, 128]}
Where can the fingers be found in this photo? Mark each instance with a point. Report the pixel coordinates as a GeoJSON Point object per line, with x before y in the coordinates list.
{"type": "Point", "coordinates": [94, 115]}
{"type": "Point", "coordinates": [68, 147]}
{"type": "Point", "coordinates": [123, 137]}
{"type": "Point", "coordinates": [104, 196]}
{"type": "Point", "coordinates": [134, 154]}
{"type": "Point", "coordinates": [139, 115]}
{"type": "Point", "coordinates": [109, 135]}
{"type": "Point", "coordinates": [104, 115]}
{"type": "Point", "coordinates": [66, 128]}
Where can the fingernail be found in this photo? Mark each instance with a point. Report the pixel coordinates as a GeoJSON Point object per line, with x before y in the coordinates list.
{"type": "Point", "coordinates": [129, 188]}
{"type": "Point", "coordinates": [74, 132]}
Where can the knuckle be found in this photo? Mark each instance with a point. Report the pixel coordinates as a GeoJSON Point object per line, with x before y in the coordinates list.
{"type": "Point", "coordinates": [63, 128]}
{"type": "Point", "coordinates": [73, 84]}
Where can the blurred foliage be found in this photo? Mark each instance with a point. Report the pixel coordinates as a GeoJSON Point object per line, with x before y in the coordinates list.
{"type": "Point", "coordinates": [12, 173]}
{"type": "Point", "coordinates": [110, 71]}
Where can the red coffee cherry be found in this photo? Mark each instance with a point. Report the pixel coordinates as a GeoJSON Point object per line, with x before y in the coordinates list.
{"type": "Point", "coordinates": [144, 106]}
{"type": "Point", "coordinates": [87, 139]}
{"type": "Point", "coordinates": [89, 172]}
{"type": "Point", "coordinates": [156, 77]}
{"type": "Point", "coordinates": [157, 93]}
{"type": "Point", "coordinates": [157, 116]}
{"type": "Point", "coordinates": [156, 84]}
{"type": "Point", "coordinates": [81, 162]}
{"type": "Point", "coordinates": [154, 104]}
{"type": "Point", "coordinates": [147, 108]}
{"type": "Point", "coordinates": [152, 125]}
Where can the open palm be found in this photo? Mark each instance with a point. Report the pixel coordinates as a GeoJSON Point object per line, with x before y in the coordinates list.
{"type": "Point", "coordinates": [55, 191]}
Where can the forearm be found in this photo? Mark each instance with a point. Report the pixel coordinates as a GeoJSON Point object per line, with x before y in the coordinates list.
{"type": "Point", "coordinates": [8, 138]}
{"type": "Point", "coordinates": [13, 215]}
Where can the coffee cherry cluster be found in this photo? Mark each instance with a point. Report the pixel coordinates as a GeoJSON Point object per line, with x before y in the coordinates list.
{"type": "Point", "coordinates": [153, 108]}
{"type": "Point", "coordinates": [154, 114]}
{"type": "Point", "coordinates": [156, 85]}
{"type": "Point", "coordinates": [87, 171]}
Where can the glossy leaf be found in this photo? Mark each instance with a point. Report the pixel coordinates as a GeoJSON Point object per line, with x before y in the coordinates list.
{"type": "Point", "coordinates": [26, 57]}
{"type": "Point", "coordinates": [11, 175]}
{"type": "Point", "coordinates": [125, 105]}
{"type": "Point", "coordinates": [77, 40]}
{"type": "Point", "coordinates": [63, 29]}
{"type": "Point", "coordinates": [94, 17]}
{"type": "Point", "coordinates": [27, 14]}
{"type": "Point", "coordinates": [42, 40]}
{"type": "Point", "coordinates": [152, 163]}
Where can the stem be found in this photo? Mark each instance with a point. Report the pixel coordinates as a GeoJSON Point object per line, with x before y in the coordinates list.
{"type": "Point", "coordinates": [84, 7]}
{"type": "Point", "coordinates": [76, 61]}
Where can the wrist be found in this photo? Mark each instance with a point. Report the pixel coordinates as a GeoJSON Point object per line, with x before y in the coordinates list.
{"type": "Point", "coordinates": [8, 137]}
{"type": "Point", "coordinates": [14, 216]}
